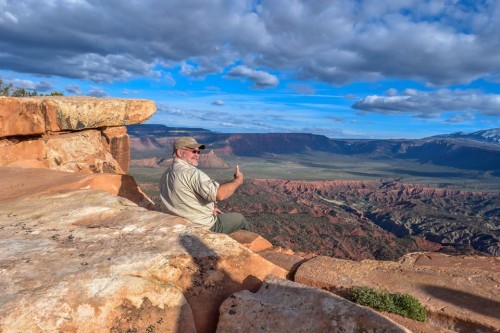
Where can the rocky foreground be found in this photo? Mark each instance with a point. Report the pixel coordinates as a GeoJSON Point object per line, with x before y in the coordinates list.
{"type": "Point", "coordinates": [80, 251]}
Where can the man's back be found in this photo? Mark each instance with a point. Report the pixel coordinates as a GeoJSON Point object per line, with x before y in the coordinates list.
{"type": "Point", "coordinates": [188, 192]}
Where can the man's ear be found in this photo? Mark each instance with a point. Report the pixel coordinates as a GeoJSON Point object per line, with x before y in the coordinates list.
{"type": "Point", "coordinates": [178, 153]}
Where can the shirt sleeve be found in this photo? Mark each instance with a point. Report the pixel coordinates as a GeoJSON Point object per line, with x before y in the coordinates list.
{"type": "Point", "coordinates": [204, 186]}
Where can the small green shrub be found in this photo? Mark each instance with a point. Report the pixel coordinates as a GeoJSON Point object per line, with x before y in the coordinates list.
{"type": "Point", "coordinates": [402, 304]}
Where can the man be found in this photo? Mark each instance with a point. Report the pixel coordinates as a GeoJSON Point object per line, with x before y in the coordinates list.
{"type": "Point", "coordinates": [188, 192]}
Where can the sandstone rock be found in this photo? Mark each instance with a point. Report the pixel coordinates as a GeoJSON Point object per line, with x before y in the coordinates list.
{"type": "Point", "coordinates": [212, 161]}
{"type": "Point", "coordinates": [287, 261]}
{"type": "Point", "coordinates": [85, 151]}
{"type": "Point", "coordinates": [87, 261]}
{"type": "Point", "coordinates": [119, 145]}
{"type": "Point", "coordinates": [16, 183]}
{"type": "Point", "coordinates": [282, 306]}
{"type": "Point", "coordinates": [37, 115]}
{"type": "Point", "coordinates": [461, 297]}
{"type": "Point", "coordinates": [21, 116]}
{"type": "Point", "coordinates": [81, 151]}
{"type": "Point", "coordinates": [251, 240]}
{"type": "Point", "coordinates": [19, 153]}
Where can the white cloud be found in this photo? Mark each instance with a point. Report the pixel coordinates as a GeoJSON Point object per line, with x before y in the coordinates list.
{"type": "Point", "coordinates": [261, 79]}
{"type": "Point", "coordinates": [428, 104]}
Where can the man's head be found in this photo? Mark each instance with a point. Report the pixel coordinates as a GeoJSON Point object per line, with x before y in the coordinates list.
{"type": "Point", "coordinates": [187, 149]}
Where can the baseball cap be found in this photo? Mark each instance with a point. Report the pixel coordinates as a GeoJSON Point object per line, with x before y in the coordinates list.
{"type": "Point", "coordinates": [187, 142]}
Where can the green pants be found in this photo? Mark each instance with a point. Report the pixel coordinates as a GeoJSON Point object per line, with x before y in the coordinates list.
{"type": "Point", "coordinates": [229, 222]}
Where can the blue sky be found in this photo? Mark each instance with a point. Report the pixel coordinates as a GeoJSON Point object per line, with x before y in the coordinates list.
{"type": "Point", "coordinates": [344, 69]}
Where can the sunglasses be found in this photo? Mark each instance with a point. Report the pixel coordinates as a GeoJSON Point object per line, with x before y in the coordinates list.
{"type": "Point", "coordinates": [194, 151]}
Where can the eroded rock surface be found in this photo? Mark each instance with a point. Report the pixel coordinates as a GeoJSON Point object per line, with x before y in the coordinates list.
{"type": "Point", "coordinates": [69, 133]}
{"type": "Point", "coordinates": [283, 306]}
{"type": "Point", "coordinates": [87, 261]}
{"type": "Point", "coordinates": [460, 293]}
{"type": "Point", "coordinates": [38, 115]}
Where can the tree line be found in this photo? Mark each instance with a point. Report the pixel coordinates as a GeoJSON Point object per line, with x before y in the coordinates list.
{"type": "Point", "coordinates": [8, 89]}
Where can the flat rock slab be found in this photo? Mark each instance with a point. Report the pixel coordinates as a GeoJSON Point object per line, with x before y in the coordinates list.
{"type": "Point", "coordinates": [251, 240]}
{"type": "Point", "coordinates": [460, 293]}
{"type": "Point", "coordinates": [88, 261]}
{"type": "Point", "coordinates": [38, 115]}
{"type": "Point", "coordinates": [290, 262]}
{"type": "Point", "coordinates": [16, 183]}
{"type": "Point", "coordinates": [282, 306]}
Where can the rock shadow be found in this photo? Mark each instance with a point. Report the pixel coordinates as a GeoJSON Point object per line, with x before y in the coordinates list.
{"type": "Point", "coordinates": [478, 304]}
{"type": "Point", "coordinates": [210, 283]}
{"type": "Point", "coordinates": [474, 303]}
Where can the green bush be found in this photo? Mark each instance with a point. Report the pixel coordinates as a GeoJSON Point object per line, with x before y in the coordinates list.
{"type": "Point", "coordinates": [402, 304]}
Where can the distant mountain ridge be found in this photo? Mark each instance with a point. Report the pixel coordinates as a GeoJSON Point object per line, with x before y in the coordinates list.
{"type": "Point", "coordinates": [475, 151]}
{"type": "Point", "coordinates": [490, 135]}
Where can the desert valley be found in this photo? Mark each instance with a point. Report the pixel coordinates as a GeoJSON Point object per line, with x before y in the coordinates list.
{"type": "Point", "coordinates": [353, 199]}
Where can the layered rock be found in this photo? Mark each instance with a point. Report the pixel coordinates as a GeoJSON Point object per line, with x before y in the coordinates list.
{"type": "Point", "coordinates": [349, 216]}
{"type": "Point", "coordinates": [39, 115]}
{"type": "Point", "coordinates": [460, 293]}
{"type": "Point", "coordinates": [69, 133]}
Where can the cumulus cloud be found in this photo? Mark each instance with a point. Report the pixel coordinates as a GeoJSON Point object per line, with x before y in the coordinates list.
{"type": "Point", "coordinates": [261, 79]}
{"type": "Point", "coordinates": [429, 104]}
{"type": "Point", "coordinates": [436, 42]}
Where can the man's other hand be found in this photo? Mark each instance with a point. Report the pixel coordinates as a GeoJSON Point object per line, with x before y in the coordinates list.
{"type": "Point", "coordinates": [238, 175]}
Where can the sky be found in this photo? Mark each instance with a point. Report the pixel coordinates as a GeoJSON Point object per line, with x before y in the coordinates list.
{"type": "Point", "coordinates": [340, 68]}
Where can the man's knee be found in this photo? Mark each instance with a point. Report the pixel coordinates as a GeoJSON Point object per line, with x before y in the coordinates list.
{"type": "Point", "coordinates": [230, 222]}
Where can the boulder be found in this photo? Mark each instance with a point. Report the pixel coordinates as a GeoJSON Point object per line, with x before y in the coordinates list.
{"type": "Point", "coordinates": [38, 115]}
{"type": "Point", "coordinates": [460, 293]}
{"type": "Point", "coordinates": [282, 306]}
{"type": "Point", "coordinates": [87, 261]}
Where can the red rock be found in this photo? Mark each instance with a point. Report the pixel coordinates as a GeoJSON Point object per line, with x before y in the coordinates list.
{"type": "Point", "coordinates": [460, 295]}
{"type": "Point", "coordinates": [21, 117]}
{"type": "Point", "coordinates": [85, 151]}
{"type": "Point", "coordinates": [287, 261]}
{"type": "Point", "coordinates": [20, 182]}
{"type": "Point", "coordinates": [38, 115]}
{"type": "Point", "coordinates": [251, 240]}
{"type": "Point", "coordinates": [119, 145]}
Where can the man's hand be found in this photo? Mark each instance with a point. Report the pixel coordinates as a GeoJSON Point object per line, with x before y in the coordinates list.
{"type": "Point", "coordinates": [227, 189]}
{"type": "Point", "coordinates": [238, 175]}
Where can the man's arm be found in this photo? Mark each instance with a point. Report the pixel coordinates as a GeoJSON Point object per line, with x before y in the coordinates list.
{"type": "Point", "coordinates": [227, 189]}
